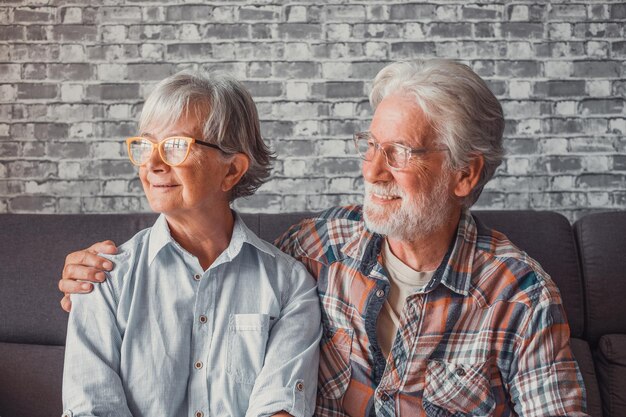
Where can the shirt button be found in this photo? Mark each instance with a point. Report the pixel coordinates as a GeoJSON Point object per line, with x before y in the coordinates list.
{"type": "Point", "coordinates": [199, 414]}
{"type": "Point", "coordinates": [198, 365]}
{"type": "Point", "coordinates": [380, 293]}
{"type": "Point", "coordinates": [384, 397]}
{"type": "Point", "coordinates": [203, 319]}
{"type": "Point", "coordinates": [197, 278]}
{"type": "Point", "coordinates": [300, 386]}
{"type": "Point", "coordinates": [460, 372]}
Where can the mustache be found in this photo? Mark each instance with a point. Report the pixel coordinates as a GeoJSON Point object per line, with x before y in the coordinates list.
{"type": "Point", "coordinates": [383, 189]}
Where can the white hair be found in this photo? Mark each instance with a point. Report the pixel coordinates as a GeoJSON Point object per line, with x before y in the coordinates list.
{"type": "Point", "coordinates": [464, 114]}
{"type": "Point", "coordinates": [226, 113]}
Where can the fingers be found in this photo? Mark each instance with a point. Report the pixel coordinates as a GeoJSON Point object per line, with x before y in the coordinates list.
{"type": "Point", "coordinates": [66, 303]}
{"type": "Point", "coordinates": [70, 286]}
{"type": "Point", "coordinates": [85, 259]}
{"type": "Point", "coordinates": [107, 246]}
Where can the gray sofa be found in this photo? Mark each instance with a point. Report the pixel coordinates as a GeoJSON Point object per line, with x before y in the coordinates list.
{"type": "Point", "coordinates": [588, 262]}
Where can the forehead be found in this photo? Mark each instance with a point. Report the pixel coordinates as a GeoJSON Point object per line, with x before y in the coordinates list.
{"type": "Point", "coordinates": [398, 118]}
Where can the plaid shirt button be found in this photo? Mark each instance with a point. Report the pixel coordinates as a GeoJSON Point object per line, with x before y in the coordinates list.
{"type": "Point", "coordinates": [380, 293]}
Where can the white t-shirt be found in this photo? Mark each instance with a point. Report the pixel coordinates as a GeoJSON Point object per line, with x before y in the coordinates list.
{"type": "Point", "coordinates": [404, 281]}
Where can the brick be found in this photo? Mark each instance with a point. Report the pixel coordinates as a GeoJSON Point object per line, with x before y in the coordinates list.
{"type": "Point", "coordinates": [522, 30]}
{"type": "Point", "coordinates": [413, 11]}
{"type": "Point", "coordinates": [33, 204]}
{"type": "Point", "coordinates": [264, 88]}
{"type": "Point", "coordinates": [225, 31]}
{"type": "Point", "coordinates": [71, 72]}
{"type": "Point", "coordinates": [12, 33]}
{"type": "Point", "coordinates": [120, 14]}
{"type": "Point", "coordinates": [37, 33]}
{"type": "Point", "coordinates": [450, 30]}
{"type": "Point", "coordinates": [72, 53]}
{"type": "Point", "coordinates": [149, 71]}
{"type": "Point", "coordinates": [598, 30]}
{"type": "Point", "coordinates": [618, 11]}
{"type": "Point", "coordinates": [259, 13]}
{"type": "Point", "coordinates": [147, 32]}
{"type": "Point", "coordinates": [152, 52]}
{"type": "Point", "coordinates": [10, 72]}
{"type": "Point", "coordinates": [81, 33]}
{"type": "Point", "coordinates": [288, 31]}
{"type": "Point", "coordinates": [68, 150]}
{"type": "Point", "coordinates": [604, 181]}
{"type": "Point", "coordinates": [71, 15]}
{"type": "Point", "coordinates": [344, 13]}
{"type": "Point", "coordinates": [568, 88]}
{"type": "Point", "coordinates": [337, 50]}
{"type": "Point", "coordinates": [33, 14]}
{"type": "Point", "coordinates": [481, 12]}
{"type": "Point", "coordinates": [189, 12]}
{"type": "Point", "coordinates": [557, 69]}
{"type": "Point", "coordinates": [412, 49]}
{"type": "Point", "coordinates": [517, 68]}
{"type": "Point", "coordinates": [618, 49]}
{"type": "Point", "coordinates": [377, 30]}
{"type": "Point", "coordinates": [31, 169]}
{"type": "Point", "coordinates": [484, 30]}
{"type": "Point", "coordinates": [111, 204]}
{"type": "Point", "coordinates": [517, 12]}
{"type": "Point", "coordinates": [36, 91]}
{"type": "Point", "coordinates": [184, 51]}
{"type": "Point", "coordinates": [597, 69]}
{"type": "Point", "coordinates": [296, 13]}
{"type": "Point", "coordinates": [338, 89]}
{"type": "Point", "coordinates": [607, 106]}
{"type": "Point", "coordinates": [47, 131]}
{"type": "Point", "coordinates": [568, 11]}
{"type": "Point", "coordinates": [295, 69]}
{"type": "Point", "coordinates": [113, 91]}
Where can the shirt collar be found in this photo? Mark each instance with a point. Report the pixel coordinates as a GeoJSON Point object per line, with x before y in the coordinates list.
{"type": "Point", "coordinates": [455, 270]}
{"type": "Point", "coordinates": [160, 237]}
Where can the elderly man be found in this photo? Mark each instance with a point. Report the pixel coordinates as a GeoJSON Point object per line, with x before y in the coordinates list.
{"type": "Point", "coordinates": [425, 310]}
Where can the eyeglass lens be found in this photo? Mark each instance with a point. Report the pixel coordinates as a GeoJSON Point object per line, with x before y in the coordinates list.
{"type": "Point", "coordinates": [366, 147]}
{"type": "Point", "coordinates": [173, 151]}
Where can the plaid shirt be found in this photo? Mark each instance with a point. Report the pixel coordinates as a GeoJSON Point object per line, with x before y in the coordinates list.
{"type": "Point", "coordinates": [487, 337]}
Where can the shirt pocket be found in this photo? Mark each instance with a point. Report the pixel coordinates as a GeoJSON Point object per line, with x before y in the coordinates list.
{"type": "Point", "coordinates": [454, 389]}
{"type": "Point", "coordinates": [335, 370]}
{"type": "Point", "coordinates": [247, 340]}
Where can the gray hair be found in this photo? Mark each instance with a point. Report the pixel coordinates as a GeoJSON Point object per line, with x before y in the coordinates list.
{"type": "Point", "coordinates": [226, 113]}
{"type": "Point", "coordinates": [463, 112]}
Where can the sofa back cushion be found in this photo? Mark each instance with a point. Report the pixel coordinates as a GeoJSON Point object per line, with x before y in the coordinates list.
{"type": "Point", "coordinates": [601, 240]}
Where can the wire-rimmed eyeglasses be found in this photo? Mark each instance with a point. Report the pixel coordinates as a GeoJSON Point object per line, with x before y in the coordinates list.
{"type": "Point", "coordinates": [396, 155]}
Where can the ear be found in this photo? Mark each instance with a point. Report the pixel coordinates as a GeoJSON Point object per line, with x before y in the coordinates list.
{"type": "Point", "coordinates": [237, 167]}
{"type": "Point", "coordinates": [467, 178]}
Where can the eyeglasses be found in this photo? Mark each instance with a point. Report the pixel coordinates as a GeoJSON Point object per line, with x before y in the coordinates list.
{"type": "Point", "coordinates": [397, 156]}
{"type": "Point", "coordinates": [173, 150]}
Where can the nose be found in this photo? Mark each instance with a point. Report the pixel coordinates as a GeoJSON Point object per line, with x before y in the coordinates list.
{"type": "Point", "coordinates": [155, 162]}
{"type": "Point", "coordinates": [376, 169]}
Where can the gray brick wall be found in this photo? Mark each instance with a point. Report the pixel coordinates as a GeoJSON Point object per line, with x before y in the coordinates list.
{"type": "Point", "coordinates": [73, 75]}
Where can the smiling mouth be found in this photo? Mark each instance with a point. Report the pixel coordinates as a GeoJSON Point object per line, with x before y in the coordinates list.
{"type": "Point", "coordinates": [165, 186]}
{"type": "Point", "coordinates": [385, 197]}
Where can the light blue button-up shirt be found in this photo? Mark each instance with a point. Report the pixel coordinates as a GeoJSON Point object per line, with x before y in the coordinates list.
{"type": "Point", "coordinates": [163, 337]}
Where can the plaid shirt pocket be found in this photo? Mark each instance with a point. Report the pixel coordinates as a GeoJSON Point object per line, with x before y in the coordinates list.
{"type": "Point", "coordinates": [454, 389]}
{"type": "Point", "coordinates": [335, 371]}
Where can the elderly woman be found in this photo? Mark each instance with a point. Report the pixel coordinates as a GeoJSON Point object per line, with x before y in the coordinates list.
{"type": "Point", "coordinates": [199, 317]}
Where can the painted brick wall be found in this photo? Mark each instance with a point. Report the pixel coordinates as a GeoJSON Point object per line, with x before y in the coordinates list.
{"type": "Point", "coordinates": [73, 75]}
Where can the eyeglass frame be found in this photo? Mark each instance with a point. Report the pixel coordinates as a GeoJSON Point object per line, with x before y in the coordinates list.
{"type": "Point", "coordinates": [408, 151]}
{"type": "Point", "coordinates": [159, 146]}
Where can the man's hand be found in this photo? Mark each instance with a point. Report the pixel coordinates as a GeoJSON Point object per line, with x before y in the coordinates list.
{"type": "Point", "coordinates": [84, 265]}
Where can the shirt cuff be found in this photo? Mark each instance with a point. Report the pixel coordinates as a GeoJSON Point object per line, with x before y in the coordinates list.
{"type": "Point", "coordinates": [290, 399]}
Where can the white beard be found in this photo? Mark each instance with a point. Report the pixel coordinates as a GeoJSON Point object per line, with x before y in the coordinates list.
{"type": "Point", "coordinates": [418, 216]}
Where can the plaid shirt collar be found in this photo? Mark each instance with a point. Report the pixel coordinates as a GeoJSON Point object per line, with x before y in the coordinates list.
{"type": "Point", "coordinates": [454, 271]}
